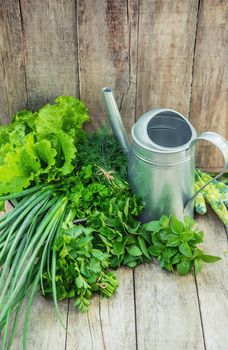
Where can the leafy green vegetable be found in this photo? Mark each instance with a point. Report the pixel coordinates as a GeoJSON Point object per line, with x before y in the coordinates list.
{"type": "Point", "coordinates": [100, 148]}
{"type": "Point", "coordinates": [174, 245]}
{"type": "Point", "coordinates": [41, 147]}
{"type": "Point", "coordinates": [198, 265]}
{"type": "Point", "coordinates": [27, 233]}
{"type": "Point", "coordinates": [183, 267]}
{"type": "Point", "coordinates": [65, 237]}
{"type": "Point", "coordinates": [81, 268]}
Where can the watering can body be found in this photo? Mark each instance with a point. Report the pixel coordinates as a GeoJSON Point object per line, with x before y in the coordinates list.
{"type": "Point", "coordinates": [161, 159]}
{"type": "Point", "coordinates": [162, 176]}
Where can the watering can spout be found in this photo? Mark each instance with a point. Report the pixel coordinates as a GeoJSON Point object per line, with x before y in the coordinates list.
{"type": "Point", "coordinates": [115, 119]}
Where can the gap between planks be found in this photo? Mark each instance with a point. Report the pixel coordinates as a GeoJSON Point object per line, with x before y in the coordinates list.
{"type": "Point", "coordinates": [211, 284]}
{"type": "Point", "coordinates": [67, 321]}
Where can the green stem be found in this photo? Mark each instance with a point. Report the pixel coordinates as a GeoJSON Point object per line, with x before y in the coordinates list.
{"type": "Point", "coordinates": [14, 245]}
{"type": "Point", "coordinates": [28, 309]}
{"type": "Point", "coordinates": [47, 223]}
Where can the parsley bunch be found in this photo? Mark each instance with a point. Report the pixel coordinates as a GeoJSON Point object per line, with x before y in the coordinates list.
{"type": "Point", "coordinates": [109, 237]}
{"type": "Point", "coordinates": [81, 268]}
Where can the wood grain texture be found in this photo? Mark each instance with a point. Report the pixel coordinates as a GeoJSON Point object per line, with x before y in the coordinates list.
{"type": "Point", "coordinates": [12, 63]}
{"type": "Point", "coordinates": [166, 39]}
{"type": "Point", "coordinates": [144, 49]}
{"type": "Point", "coordinates": [45, 331]}
{"type": "Point", "coordinates": [213, 284]}
{"type": "Point", "coordinates": [50, 32]}
{"type": "Point", "coordinates": [209, 104]}
{"type": "Point", "coordinates": [167, 311]}
{"type": "Point", "coordinates": [109, 324]}
{"type": "Point", "coordinates": [108, 55]}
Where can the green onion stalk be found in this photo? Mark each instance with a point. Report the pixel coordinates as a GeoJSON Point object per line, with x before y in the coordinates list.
{"type": "Point", "coordinates": [27, 234]}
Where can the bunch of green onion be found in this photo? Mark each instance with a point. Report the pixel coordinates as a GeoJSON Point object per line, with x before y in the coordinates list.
{"type": "Point", "coordinates": [27, 233]}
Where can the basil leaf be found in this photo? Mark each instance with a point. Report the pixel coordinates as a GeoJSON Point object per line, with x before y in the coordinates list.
{"type": "Point", "coordinates": [185, 249]}
{"type": "Point", "coordinates": [210, 258]}
{"type": "Point", "coordinates": [197, 252]}
{"type": "Point", "coordinates": [154, 251]}
{"type": "Point", "coordinates": [156, 241]}
{"type": "Point", "coordinates": [189, 222]}
{"type": "Point", "coordinates": [165, 234]}
{"type": "Point", "coordinates": [187, 235]}
{"type": "Point", "coordinates": [176, 225]}
{"type": "Point", "coordinates": [161, 260]}
{"type": "Point", "coordinates": [198, 264]}
{"type": "Point", "coordinates": [164, 221]}
{"type": "Point", "coordinates": [171, 251]}
{"type": "Point", "coordinates": [183, 267]}
{"type": "Point", "coordinates": [173, 242]}
{"type": "Point", "coordinates": [153, 226]}
{"type": "Point", "coordinates": [176, 259]}
{"type": "Point", "coordinates": [198, 237]}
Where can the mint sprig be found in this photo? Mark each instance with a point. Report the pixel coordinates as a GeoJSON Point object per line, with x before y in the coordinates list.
{"type": "Point", "coordinates": [174, 244]}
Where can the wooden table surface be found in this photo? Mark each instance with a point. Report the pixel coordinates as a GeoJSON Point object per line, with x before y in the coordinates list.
{"type": "Point", "coordinates": [152, 309]}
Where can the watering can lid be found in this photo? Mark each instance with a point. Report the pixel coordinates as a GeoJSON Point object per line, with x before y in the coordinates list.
{"type": "Point", "coordinates": [141, 134]}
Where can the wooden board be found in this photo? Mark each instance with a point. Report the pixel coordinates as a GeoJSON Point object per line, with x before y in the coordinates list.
{"type": "Point", "coordinates": [212, 285]}
{"type": "Point", "coordinates": [172, 312]}
{"type": "Point", "coordinates": [45, 331]}
{"type": "Point", "coordinates": [109, 324]}
{"type": "Point", "coordinates": [12, 63]}
{"type": "Point", "coordinates": [167, 311]}
{"type": "Point", "coordinates": [108, 55]}
{"type": "Point", "coordinates": [166, 53]}
{"type": "Point", "coordinates": [166, 40]}
{"type": "Point", "coordinates": [50, 34]}
{"type": "Point", "coordinates": [209, 104]}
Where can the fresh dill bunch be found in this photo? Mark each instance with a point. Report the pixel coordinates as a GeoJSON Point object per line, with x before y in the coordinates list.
{"type": "Point", "coordinates": [102, 149]}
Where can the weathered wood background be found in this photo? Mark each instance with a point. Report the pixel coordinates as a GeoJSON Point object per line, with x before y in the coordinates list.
{"type": "Point", "coordinates": [167, 53]}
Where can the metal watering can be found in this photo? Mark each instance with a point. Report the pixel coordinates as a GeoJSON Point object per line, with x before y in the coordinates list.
{"type": "Point", "coordinates": [161, 158]}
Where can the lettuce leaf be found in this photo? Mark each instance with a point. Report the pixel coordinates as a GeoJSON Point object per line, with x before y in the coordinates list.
{"type": "Point", "coordinates": [20, 168]}
{"type": "Point", "coordinates": [41, 146]}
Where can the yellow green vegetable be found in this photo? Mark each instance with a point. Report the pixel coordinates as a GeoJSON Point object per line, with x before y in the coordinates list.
{"type": "Point", "coordinates": [200, 205]}
{"type": "Point", "coordinates": [215, 193]}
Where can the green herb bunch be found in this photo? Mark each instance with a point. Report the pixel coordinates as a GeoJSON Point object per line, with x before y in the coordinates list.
{"type": "Point", "coordinates": [77, 219]}
{"type": "Point", "coordinates": [102, 149]}
{"type": "Point", "coordinates": [109, 236]}
{"type": "Point", "coordinates": [81, 269]}
{"type": "Point", "coordinates": [174, 244]}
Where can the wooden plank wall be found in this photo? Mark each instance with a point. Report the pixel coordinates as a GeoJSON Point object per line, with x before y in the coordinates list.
{"type": "Point", "coordinates": [168, 53]}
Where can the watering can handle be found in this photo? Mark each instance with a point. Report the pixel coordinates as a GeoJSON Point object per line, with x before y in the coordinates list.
{"type": "Point", "coordinates": [222, 145]}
